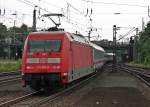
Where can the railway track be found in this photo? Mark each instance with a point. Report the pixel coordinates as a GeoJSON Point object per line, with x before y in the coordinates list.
{"type": "Point", "coordinates": [17, 100]}
{"type": "Point", "coordinates": [2, 74]}
{"type": "Point", "coordinates": [9, 79]}
{"type": "Point", "coordinates": [142, 74]}
{"type": "Point", "coordinates": [144, 70]}
{"type": "Point", "coordinates": [35, 99]}
{"type": "Point", "coordinates": [61, 93]}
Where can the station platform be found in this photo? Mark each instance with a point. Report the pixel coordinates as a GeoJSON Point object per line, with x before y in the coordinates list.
{"type": "Point", "coordinates": [118, 89]}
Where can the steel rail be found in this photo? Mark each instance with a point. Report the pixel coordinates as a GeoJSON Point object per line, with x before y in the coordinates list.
{"type": "Point", "coordinates": [9, 80]}
{"type": "Point", "coordinates": [140, 71]}
{"type": "Point", "coordinates": [138, 74]}
{"type": "Point", "coordinates": [19, 99]}
{"type": "Point", "coordinates": [140, 67]}
{"type": "Point", "coordinates": [9, 73]}
{"type": "Point", "coordinates": [52, 97]}
{"type": "Point", "coordinates": [144, 70]}
{"type": "Point", "coordinates": [59, 94]}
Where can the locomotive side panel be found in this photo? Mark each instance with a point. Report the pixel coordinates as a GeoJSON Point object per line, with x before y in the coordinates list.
{"type": "Point", "coordinates": [81, 60]}
{"type": "Point", "coordinates": [65, 67]}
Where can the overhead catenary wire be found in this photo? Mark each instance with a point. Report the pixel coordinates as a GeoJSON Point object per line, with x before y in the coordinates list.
{"type": "Point", "coordinates": [25, 3]}
{"type": "Point", "coordinates": [35, 5]}
{"type": "Point", "coordinates": [45, 9]}
{"type": "Point", "coordinates": [9, 11]}
{"type": "Point", "coordinates": [130, 31]}
{"type": "Point", "coordinates": [74, 23]}
{"type": "Point", "coordinates": [112, 3]}
{"type": "Point", "coordinates": [82, 13]}
{"type": "Point", "coordinates": [48, 3]}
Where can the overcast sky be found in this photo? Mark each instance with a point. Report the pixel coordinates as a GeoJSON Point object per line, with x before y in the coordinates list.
{"type": "Point", "coordinates": [130, 14]}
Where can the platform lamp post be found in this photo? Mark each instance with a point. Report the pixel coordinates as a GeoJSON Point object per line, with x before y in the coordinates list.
{"type": "Point", "coordinates": [114, 44]}
{"type": "Point", "coordinates": [14, 38]}
{"type": "Point", "coordinates": [114, 49]}
{"type": "Point", "coordinates": [34, 19]}
{"type": "Point", "coordinates": [135, 54]}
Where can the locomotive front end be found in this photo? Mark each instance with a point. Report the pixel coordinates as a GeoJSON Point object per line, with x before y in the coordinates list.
{"type": "Point", "coordinates": [42, 60]}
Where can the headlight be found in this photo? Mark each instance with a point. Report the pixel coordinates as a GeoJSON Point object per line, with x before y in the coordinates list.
{"type": "Point", "coordinates": [56, 67]}
{"type": "Point", "coordinates": [29, 67]}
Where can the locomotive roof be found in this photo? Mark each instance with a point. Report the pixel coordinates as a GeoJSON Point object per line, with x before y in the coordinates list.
{"type": "Point", "coordinates": [79, 38]}
{"type": "Point", "coordinates": [97, 47]}
{"type": "Point", "coordinates": [73, 37]}
{"type": "Point", "coordinates": [47, 32]}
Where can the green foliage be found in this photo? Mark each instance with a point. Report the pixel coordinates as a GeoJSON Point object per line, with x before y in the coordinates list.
{"type": "Point", "coordinates": [19, 33]}
{"type": "Point", "coordinates": [3, 30]}
{"type": "Point", "coordinates": [10, 65]}
{"type": "Point", "coordinates": [144, 46]}
{"type": "Point", "coordinates": [139, 65]}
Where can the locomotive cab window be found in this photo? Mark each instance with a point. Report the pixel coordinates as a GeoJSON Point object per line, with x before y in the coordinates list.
{"type": "Point", "coordinates": [44, 45]}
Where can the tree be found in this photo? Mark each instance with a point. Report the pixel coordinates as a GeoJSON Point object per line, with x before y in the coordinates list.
{"type": "Point", "coordinates": [3, 31]}
{"type": "Point", "coordinates": [23, 32]}
{"type": "Point", "coordinates": [24, 28]}
{"type": "Point", "coordinates": [18, 33]}
{"type": "Point", "coordinates": [144, 46]}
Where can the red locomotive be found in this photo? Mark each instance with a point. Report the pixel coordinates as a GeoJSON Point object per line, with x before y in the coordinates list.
{"type": "Point", "coordinates": [54, 58]}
